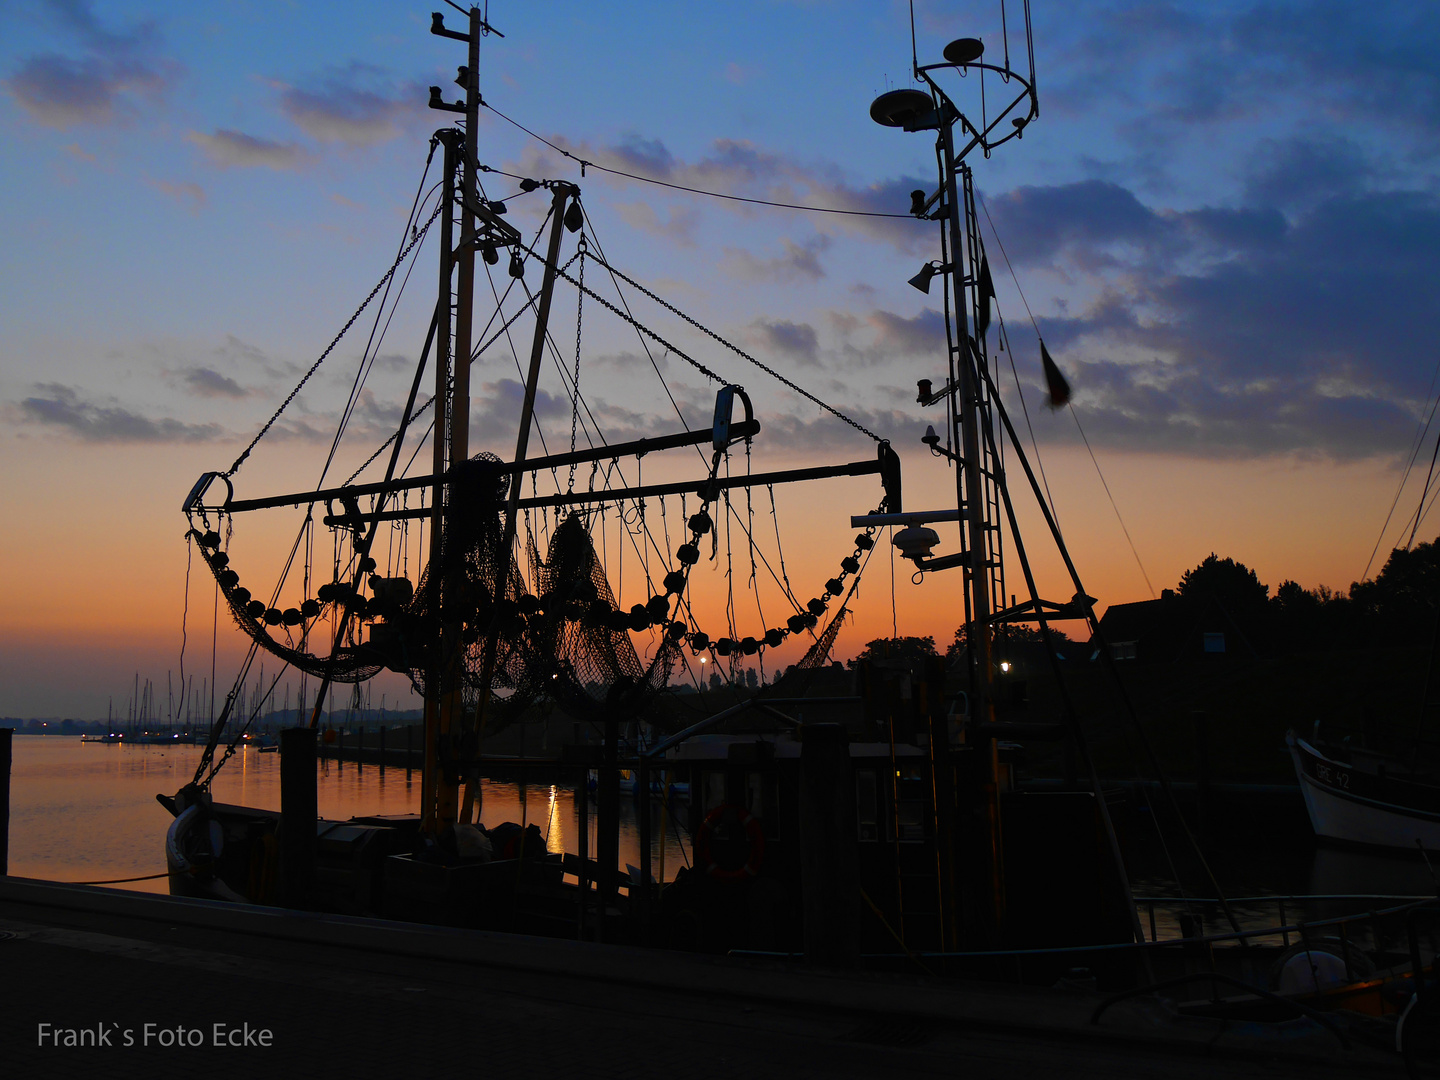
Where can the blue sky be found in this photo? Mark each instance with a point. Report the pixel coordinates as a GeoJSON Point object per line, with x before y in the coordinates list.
{"type": "Point", "coordinates": [1225, 221]}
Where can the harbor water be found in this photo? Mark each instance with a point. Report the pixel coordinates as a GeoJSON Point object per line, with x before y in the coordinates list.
{"type": "Point", "coordinates": [86, 812]}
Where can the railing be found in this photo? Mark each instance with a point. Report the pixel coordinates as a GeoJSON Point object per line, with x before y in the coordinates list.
{"type": "Point", "coordinates": [1406, 908]}
{"type": "Point", "coordinates": [1283, 929]}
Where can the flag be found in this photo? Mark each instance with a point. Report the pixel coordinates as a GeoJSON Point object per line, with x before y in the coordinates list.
{"type": "Point", "coordinates": [1054, 380]}
{"type": "Point", "coordinates": [985, 291]}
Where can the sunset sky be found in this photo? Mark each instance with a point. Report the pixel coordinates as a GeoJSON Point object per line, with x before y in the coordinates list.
{"type": "Point", "coordinates": [1225, 222]}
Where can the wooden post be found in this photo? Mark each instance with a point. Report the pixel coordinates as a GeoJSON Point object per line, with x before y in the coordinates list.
{"type": "Point", "coordinates": [6, 735]}
{"type": "Point", "coordinates": [360, 749]}
{"type": "Point", "coordinates": [340, 749]}
{"type": "Point", "coordinates": [298, 814]}
{"type": "Point", "coordinates": [582, 847]}
{"type": "Point", "coordinates": [829, 874]}
{"type": "Point", "coordinates": [382, 749]}
{"type": "Point", "coordinates": [607, 818]}
{"type": "Point", "coordinates": [642, 809]}
{"type": "Point", "coordinates": [1202, 772]}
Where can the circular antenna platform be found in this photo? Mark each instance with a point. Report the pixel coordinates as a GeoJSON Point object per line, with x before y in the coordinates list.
{"type": "Point", "coordinates": [900, 108]}
{"type": "Point", "coordinates": [965, 50]}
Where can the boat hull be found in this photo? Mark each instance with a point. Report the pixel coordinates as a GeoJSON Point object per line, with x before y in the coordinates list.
{"type": "Point", "coordinates": [1353, 807]}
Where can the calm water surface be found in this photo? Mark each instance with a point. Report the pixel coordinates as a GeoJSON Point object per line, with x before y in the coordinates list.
{"type": "Point", "coordinates": [86, 812]}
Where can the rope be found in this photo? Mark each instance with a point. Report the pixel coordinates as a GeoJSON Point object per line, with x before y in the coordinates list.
{"type": "Point", "coordinates": [419, 236]}
{"type": "Point", "coordinates": [586, 164]}
{"type": "Point", "coordinates": [116, 881]}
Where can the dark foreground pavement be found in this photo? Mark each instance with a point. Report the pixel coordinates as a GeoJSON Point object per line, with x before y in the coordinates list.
{"type": "Point", "coordinates": [358, 998]}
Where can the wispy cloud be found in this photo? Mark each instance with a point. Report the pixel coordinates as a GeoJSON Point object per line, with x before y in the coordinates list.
{"type": "Point", "coordinates": [236, 149]}
{"type": "Point", "coordinates": [799, 262]}
{"type": "Point", "coordinates": [114, 69]}
{"type": "Point", "coordinates": [208, 383]}
{"type": "Point", "coordinates": [678, 225]}
{"type": "Point", "coordinates": [355, 106]}
{"type": "Point", "coordinates": [795, 341]}
{"type": "Point", "coordinates": [63, 408]}
{"type": "Point", "coordinates": [184, 191]}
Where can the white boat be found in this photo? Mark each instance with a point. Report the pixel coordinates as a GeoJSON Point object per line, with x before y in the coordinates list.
{"type": "Point", "coordinates": [1361, 797]}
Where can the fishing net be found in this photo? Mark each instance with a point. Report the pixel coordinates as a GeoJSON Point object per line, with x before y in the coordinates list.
{"type": "Point", "coordinates": [565, 641]}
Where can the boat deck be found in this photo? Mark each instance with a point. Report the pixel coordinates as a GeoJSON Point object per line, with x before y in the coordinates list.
{"type": "Point", "coordinates": [327, 987]}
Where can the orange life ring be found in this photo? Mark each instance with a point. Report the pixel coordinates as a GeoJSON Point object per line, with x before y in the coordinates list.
{"type": "Point", "coordinates": [754, 835]}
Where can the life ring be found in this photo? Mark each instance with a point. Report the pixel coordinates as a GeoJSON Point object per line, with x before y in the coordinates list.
{"type": "Point", "coordinates": [754, 836]}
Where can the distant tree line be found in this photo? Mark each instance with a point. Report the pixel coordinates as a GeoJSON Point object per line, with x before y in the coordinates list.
{"type": "Point", "coordinates": [1399, 606]}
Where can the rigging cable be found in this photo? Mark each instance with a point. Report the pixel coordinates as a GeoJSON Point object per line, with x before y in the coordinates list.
{"type": "Point", "coordinates": [1423, 427]}
{"type": "Point", "coordinates": [629, 317]}
{"type": "Point", "coordinates": [419, 236]}
{"type": "Point", "coordinates": [367, 357]}
{"type": "Point", "coordinates": [732, 347]}
{"type": "Point", "coordinates": [1073, 414]}
{"type": "Point", "coordinates": [587, 164]}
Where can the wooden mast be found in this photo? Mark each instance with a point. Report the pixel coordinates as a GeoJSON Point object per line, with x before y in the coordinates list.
{"type": "Point", "coordinates": [451, 737]}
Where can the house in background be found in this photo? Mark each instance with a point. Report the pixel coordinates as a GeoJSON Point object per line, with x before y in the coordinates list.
{"type": "Point", "coordinates": [1172, 628]}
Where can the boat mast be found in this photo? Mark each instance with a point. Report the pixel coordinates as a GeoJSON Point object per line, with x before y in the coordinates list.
{"type": "Point", "coordinates": [971, 429]}
{"type": "Point", "coordinates": [452, 737]}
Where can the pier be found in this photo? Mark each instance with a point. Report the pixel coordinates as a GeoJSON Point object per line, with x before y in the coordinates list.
{"type": "Point", "coordinates": [358, 997]}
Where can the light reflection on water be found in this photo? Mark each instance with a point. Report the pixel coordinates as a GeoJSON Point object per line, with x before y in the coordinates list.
{"type": "Point", "coordinates": [87, 811]}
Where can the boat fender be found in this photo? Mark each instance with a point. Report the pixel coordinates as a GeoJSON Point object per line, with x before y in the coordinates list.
{"type": "Point", "coordinates": [1317, 967]}
{"type": "Point", "coordinates": [723, 814]}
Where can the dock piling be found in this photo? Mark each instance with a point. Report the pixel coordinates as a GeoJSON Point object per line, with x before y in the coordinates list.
{"type": "Point", "coordinates": [5, 745]}
{"type": "Point", "coordinates": [299, 811]}
{"type": "Point", "coordinates": [829, 876]}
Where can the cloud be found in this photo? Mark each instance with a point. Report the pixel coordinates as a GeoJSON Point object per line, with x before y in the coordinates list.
{"type": "Point", "coordinates": [207, 383]}
{"type": "Point", "coordinates": [233, 352]}
{"type": "Point", "coordinates": [62, 407]}
{"type": "Point", "coordinates": [181, 192]}
{"type": "Point", "coordinates": [234, 148]}
{"type": "Point", "coordinates": [798, 341]}
{"type": "Point", "coordinates": [353, 107]}
{"type": "Point", "coordinates": [899, 335]}
{"type": "Point", "coordinates": [1166, 76]}
{"type": "Point", "coordinates": [1239, 331]}
{"type": "Point", "coordinates": [799, 262]}
{"type": "Point", "coordinates": [61, 92]}
{"type": "Point", "coordinates": [1038, 223]}
{"type": "Point", "coordinates": [114, 69]}
{"type": "Point", "coordinates": [679, 225]}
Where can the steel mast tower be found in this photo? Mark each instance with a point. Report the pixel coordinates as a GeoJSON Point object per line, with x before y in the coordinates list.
{"type": "Point", "coordinates": [970, 441]}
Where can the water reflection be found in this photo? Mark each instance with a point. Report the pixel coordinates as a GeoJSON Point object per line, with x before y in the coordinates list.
{"type": "Point", "coordinates": [87, 811]}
